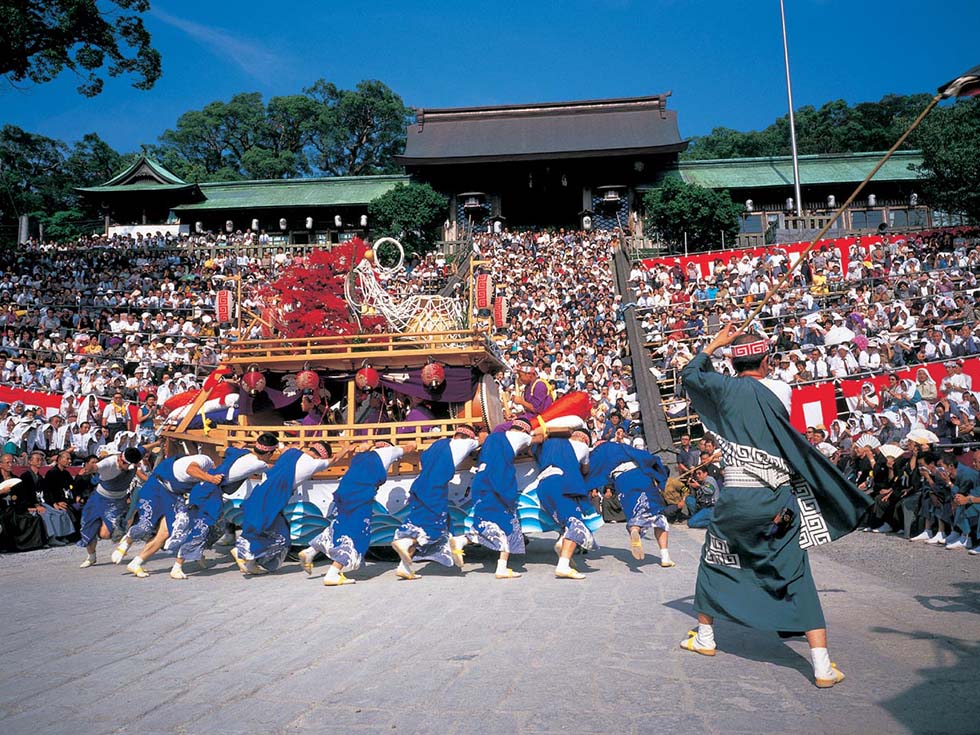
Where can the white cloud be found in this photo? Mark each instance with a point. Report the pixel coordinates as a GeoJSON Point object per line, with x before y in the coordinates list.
{"type": "Point", "coordinates": [251, 58]}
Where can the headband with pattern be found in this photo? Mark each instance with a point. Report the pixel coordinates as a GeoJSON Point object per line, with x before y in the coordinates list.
{"type": "Point", "coordinates": [751, 349]}
{"type": "Point", "coordinates": [466, 431]}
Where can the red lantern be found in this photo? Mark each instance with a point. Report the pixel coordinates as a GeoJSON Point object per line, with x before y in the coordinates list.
{"type": "Point", "coordinates": [253, 381]}
{"type": "Point", "coordinates": [307, 380]}
{"type": "Point", "coordinates": [433, 375]}
{"type": "Point", "coordinates": [500, 313]}
{"type": "Point", "coordinates": [483, 291]}
{"type": "Point", "coordinates": [367, 378]}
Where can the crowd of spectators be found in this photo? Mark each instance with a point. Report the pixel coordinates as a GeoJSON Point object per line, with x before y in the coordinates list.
{"type": "Point", "coordinates": [116, 326]}
{"type": "Point", "coordinates": [130, 320]}
{"type": "Point", "coordinates": [904, 302]}
{"type": "Point", "coordinates": [565, 318]}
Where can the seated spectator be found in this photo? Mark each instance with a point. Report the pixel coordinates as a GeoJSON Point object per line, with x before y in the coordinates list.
{"type": "Point", "coordinates": [21, 526]}
{"type": "Point", "coordinates": [701, 501]}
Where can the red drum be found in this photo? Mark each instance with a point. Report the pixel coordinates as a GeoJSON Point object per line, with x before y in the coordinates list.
{"type": "Point", "coordinates": [483, 295]}
{"type": "Point", "coordinates": [500, 313]}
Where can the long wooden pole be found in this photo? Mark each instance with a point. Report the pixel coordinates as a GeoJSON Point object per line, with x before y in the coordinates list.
{"type": "Point", "coordinates": [840, 210]}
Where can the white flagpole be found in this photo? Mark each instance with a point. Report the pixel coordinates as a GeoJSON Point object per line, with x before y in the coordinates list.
{"type": "Point", "coordinates": [792, 119]}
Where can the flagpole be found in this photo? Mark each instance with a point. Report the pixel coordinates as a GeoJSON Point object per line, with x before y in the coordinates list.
{"type": "Point", "coordinates": [792, 119]}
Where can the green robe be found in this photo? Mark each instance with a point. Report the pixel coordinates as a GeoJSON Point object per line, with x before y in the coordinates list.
{"type": "Point", "coordinates": [759, 581]}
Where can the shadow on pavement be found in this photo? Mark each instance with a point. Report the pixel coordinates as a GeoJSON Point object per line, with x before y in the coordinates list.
{"type": "Point", "coordinates": [945, 700]}
{"type": "Point", "coordinates": [967, 601]}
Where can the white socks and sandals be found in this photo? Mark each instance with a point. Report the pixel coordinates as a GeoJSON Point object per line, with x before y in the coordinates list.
{"type": "Point", "coordinates": [825, 673]}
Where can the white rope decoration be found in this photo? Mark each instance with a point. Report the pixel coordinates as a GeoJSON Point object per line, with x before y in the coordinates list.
{"type": "Point", "coordinates": [417, 313]}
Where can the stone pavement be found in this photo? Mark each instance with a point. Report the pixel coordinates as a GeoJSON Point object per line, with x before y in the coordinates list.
{"type": "Point", "coordinates": [98, 651]}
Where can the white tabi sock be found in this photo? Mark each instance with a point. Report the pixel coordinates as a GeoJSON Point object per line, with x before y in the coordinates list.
{"type": "Point", "coordinates": [821, 663]}
{"type": "Point", "coordinates": [706, 636]}
{"type": "Point", "coordinates": [665, 556]}
{"type": "Point", "coordinates": [177, 567]}
{"type": "Point", "coordinates": [401, 568]}
{"type": "Point", "coordinates": [333, 572]}
{"type": "Point", "coordinates": [563, 565]}
{"type": "Point", "coordinates": [137, 561]}
{"type": "Point", "coordinates": [501, 566]}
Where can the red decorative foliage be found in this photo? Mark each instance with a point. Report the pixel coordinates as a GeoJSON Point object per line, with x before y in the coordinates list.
{"type": "Point", "coordinates": [310, 293]}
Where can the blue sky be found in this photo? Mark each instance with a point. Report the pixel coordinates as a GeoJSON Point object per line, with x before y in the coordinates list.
{"type": "Point", "coordinates": [722, 59]}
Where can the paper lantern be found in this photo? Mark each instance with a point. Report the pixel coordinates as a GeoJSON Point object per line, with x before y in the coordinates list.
{"type": "Point", "coordinates": [433, 376]}
{"type": "Point", "coordinates": [307, 380]}
{"type": "Point", "coordinates": [484, 291]}
{"type": "Point", "coordinates": [253, 381]}
{"type": "Point", "coordinates": [367, 378]}
{"type": "Point", "coordinates": [500, 313]}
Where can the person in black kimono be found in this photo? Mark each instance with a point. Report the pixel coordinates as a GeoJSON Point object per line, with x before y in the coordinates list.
{"type": "Point", "coordinates": [21, 528]}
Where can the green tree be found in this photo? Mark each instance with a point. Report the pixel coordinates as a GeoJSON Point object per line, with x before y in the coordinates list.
{"type": "Point", "coordinates": [32, 173]}
{"type": "Point", "coordinates": [678, 208]}
{"type": "Point", "coordinates": [41, 38]}
{"type": "Point", "coordinates": [356, 132]}
{"type": "Point", "coordinates": [92, 161]}
{"type": "Point", "coordinates": [835, 127]}
{"type": "Point", "coordinates": [950, 142]}
{"type": "Point", "coordinates": [412, 213]}
{"type": "Point", "coordinates": [240, 138]}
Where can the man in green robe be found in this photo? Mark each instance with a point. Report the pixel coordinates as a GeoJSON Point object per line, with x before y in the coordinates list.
{"type": "Point", "coordinates": [780, 497]}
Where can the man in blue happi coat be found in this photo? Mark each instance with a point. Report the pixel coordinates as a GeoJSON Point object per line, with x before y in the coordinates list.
{"type": "Point", "coordinates": [562, 493]}
{"type": "Point", "coordinates": [264, 541]}
{"type": "Point", "coordinates": [194, 525]}
{"type": "Point", "coordinates": [495, 493]}
{"type": "Point", "coordinates": [160, 499]}
{"type": "Point", "coordinates": [105, 510]}
{"type": "Point", "coordinates": [637, 477]}
{"type": "Point", "coordinates": [426, 534]}
{"type": "Point", "coordinates": [348, 537]}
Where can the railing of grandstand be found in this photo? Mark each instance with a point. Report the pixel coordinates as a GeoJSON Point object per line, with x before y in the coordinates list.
{"type": "Point", "coordinates": [640, 248]}
{"type": "Point", "coordinates": [655, 429]}
{"type": "Point", "coordinates": [690, 422]}
{"type": "Point", "coordinates": [458, 260]}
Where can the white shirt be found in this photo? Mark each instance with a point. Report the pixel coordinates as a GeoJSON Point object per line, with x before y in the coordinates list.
{"type": "Point", "coordinates": [388, 455]}
{"type": "Point", "coordinates": [460, 448]}
{"type": "Point", "coordinates": [781, 390]}
{"type": "Point", "coordinates": [245, 466]}
{"type": "Point", "coordinates": [306, 467]}
{"type": "Point", "coordinates": [518, 440]}
{"type": "Point", "coordinates": [181, 465]}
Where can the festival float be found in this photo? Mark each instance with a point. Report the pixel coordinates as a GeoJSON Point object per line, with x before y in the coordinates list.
{"type": "Point", "coordinates": [343, 360]}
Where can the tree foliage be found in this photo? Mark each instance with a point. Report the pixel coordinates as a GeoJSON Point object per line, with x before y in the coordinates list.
{"type": "Point", "coordinates": [357, 132]}
{"type": "Point", "coordinates": [325, 130]}
{"type": "Point", "coordinates": [835, 127]}
{"type": "Point", "coordinates": [950, 142]}
{"type": "Point", "coordinates": [678, 208]}
{"type": "Point", "coordinates": [411, 213]}
{"type": "Point", "coordinates": [41, 38]}
{"type": "Point", "coordinates": [38, 175]}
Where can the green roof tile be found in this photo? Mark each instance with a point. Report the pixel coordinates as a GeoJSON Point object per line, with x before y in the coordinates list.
{"type": "Point", "coordinates": [274, 193]}
{"type": "Point", "coordinates": [755, 173]}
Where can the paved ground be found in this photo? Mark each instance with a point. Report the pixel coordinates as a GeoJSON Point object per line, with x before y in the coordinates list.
{"type": "Point", "coordinates": [98, 651]}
